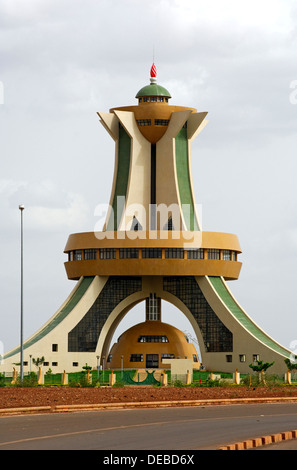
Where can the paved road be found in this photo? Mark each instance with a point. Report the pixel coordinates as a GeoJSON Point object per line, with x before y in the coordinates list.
{"type": "Point", "coordinates": [146, 429]}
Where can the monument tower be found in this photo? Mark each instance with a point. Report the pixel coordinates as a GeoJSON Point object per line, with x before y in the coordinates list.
{"type": "Point", "coordinates": [152, 248]}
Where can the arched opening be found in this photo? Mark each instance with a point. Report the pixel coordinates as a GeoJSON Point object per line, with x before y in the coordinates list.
{"type": "Point", "coordinates": [170, 315]}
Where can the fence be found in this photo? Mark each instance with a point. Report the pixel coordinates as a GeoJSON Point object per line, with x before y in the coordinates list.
{"type": "Point", "coordinates": [125, 377]}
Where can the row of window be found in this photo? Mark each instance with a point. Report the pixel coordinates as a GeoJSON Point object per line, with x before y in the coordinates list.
{"type": "Point", "coordinates": [169, 253]}
{"type": "Point", "coordinates": [153, 99]}
{"type": "Point", "coordinates": [148, 122]}
{"type": "Point", "coordinates": [242, 358]}
{"type": "Point", "coordinates": [139, 357]}
{"type": "Point", "coordinates": [152, 339]}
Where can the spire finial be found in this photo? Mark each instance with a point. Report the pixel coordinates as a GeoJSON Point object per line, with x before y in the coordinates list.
{"type": "Point", "coordinates": [153, 73]}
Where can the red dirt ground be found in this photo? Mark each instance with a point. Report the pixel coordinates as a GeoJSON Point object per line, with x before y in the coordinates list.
{"type": "Point", "coordinates": [15, 397]}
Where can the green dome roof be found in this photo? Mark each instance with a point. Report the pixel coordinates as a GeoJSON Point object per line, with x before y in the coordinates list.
{"type": "Point", "coordinates": [153, 90]}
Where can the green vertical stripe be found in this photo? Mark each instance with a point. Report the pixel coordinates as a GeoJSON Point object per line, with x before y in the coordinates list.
{"type": "Point", "coordinates": [242, 318]}
{"type": "Point", "coordinates": [68, 307]}
{"type": "Point", "coordinates": [183, 179]}
{"type": "Point", "coordinates": [123, 167]}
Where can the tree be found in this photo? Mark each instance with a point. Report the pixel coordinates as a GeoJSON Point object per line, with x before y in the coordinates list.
{"type": "Point", "coordinates": [261, 367]}
{"type": "Point", "coordinates": [38, 361]}
{"type": "Point", "coordinates": [290, 365]}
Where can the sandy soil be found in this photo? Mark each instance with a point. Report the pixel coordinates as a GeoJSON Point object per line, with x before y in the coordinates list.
{"type": "Point", "coordinates": [15, 397]}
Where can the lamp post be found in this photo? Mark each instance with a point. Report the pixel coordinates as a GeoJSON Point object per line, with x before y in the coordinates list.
{"type": "Point", "coordinates": [98, 367]}
{"type": "Point", "coordinates": [21, 207]}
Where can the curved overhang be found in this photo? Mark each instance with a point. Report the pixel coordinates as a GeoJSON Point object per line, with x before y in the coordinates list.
{"type": "Point", "coordinates": [174, 254]}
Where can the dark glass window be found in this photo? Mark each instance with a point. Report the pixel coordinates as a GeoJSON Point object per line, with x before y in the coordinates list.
{"type": "Point", "coordinates": [153, 339]}
{"type": "Point", "coordinates": [152, 252]}
{"type": "Point", "coordinates": [216, 336]}
{"type": "Point", "coordinates": [195, 253]}
{"type": "Point", "coordinates": [128, 253]}
{"type": "Point", "coordinates": [77, 255]}
{"type": "Point", "coordinates": [226, 255]}
{"type": "Point", "coordinates": [107, 253]}
{"type": "Point", "coordinates": [174, 253]}
{"type": "Point", "coordinates": [54, 347]}
{"type": "Point", "coordinates": [213, 253]}
{"type": "Point", "coordinates": [144, 122]}
{"type": "Point", "coordinates": [161, 122]}
{"type": "Point", "coordinates": [90, 253]}
{"type": "Point", "coordinates": [167, 356]}
{"type": "Point", "coordinates": [136, 358]}
{"type": "Point", "coordinates": [84, 336]}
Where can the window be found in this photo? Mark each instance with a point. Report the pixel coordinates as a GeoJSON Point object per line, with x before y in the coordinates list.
{"type": "Point", "coordinates": [256, 357]}
{"type": "Point", "coordinates": [213, 254]}
{"type": "Point", "coordinates": [77, 255]}
{"type": "Point", "coordinates": [135, 224]}
{"type": "Point", "coordinates": [160, 99]}
{"type": "Point", "coordinates": [54, 347]}
{"type": "Point", "coordinates": [241, 357]}
{"type": "Point", "coordinates": [153, 339]}
{"type": "Point", "coordinates": [195, 253]}
{"type": "Point", "coordinates": [153, 308]}
{"type": "Point", "coordinates": [70, 256]}
{"type": "Point", "coordinates": [128, 253]}
{"type": "Point", "coordinates": [109, 358]}
{"type": "Point", "coordinates": [227, 255]}
{"type": "Point", "coordinates": [174, 253]}
{"type": "Point", "coordinates": [54, 364]}
{"type": "Point", "coordinates": [152, 361]}
{"type": "Point", "coordinates": [146, 99]}
{"type": "Point", "coordinates": [161, 122]}
{"type": "Point", "coordinates": [84, 336]}
{"type": "Point", "coordinates": [169, 225]}
{"type": "Point", "coordinates": [143, 122]}
{"type": "Point", "coordinates": [136, 358]}
{"type": "Point", "coordinates": [74, 364]}
{"type": "Point", "coordinates": [153, 99]}
{"type": "Point", "coordinates": [229, 358]}
{"type": "Point", "coordinates": [195, 358]}
{"type": "Point", "coordinates": [107, 253]}
{"type": "Point", "coordinates": [234, 256]}
{"type": "Point", "coordinates": [90, 253]}
{"type": "Point", "coordinates": [167, 356]}
{"type": "Point", "coordinates": [216, 336]}
{"type": "Point", "coordinates": [152, 252]}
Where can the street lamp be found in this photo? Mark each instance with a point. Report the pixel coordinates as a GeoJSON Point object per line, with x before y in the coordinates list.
{"type": "Point", "coordinates": [98, 367]}
{"type": "Point", "coordinates": [21, 207]}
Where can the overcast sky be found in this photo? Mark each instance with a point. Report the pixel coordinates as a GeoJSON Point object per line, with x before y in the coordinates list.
{"type": "Point", "coordinates": [61, 61]}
